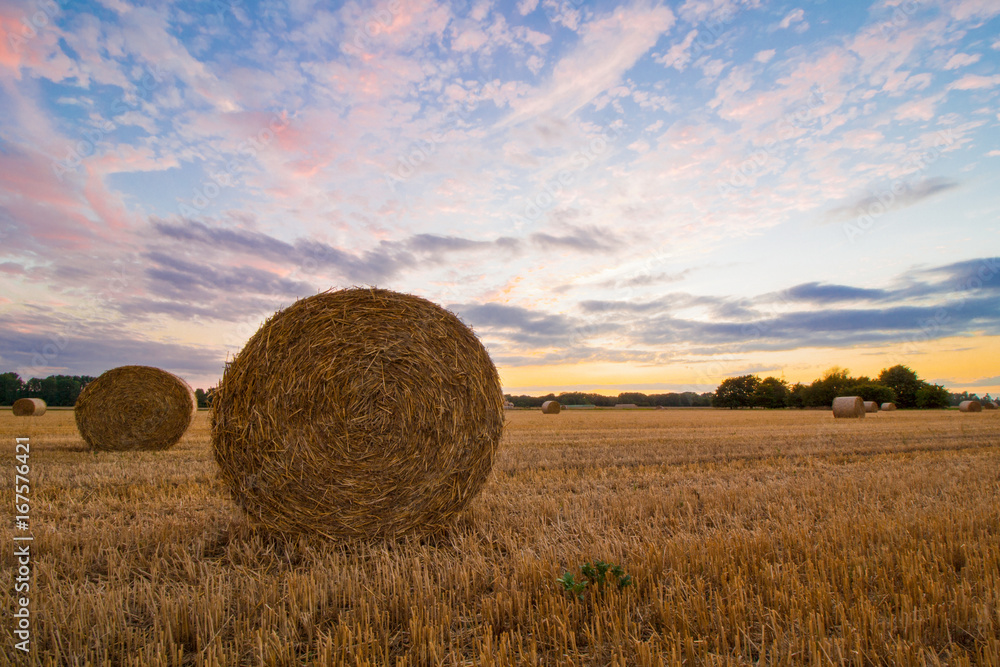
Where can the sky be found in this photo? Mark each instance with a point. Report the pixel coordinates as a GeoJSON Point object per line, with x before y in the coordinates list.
{"type": "Point", "coordinates": [615, 196]}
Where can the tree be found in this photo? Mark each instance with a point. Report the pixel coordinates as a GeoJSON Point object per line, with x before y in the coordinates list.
{"type": "Point", "coordinates": [736, 392]}
{"type": "Point", "coordinates": [798, 396]}
{"type": "Point", "coordinates": [902, 380]}
{"type": "Point", "coordinates": [11, 388]}
{"type": "Point", "coordinates": [771, 393]}
{"type": "Point", "coordinates": [932, 396]}
{"type": "Point", "coordinates": [199, 395]}
{"type": "Point", "coordinates": [635, 397]}
{"type": "Point", "coordinates": [872, 391]}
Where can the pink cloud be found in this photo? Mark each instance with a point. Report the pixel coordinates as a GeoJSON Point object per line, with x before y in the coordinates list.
{"type": "Point", "coordinates": [975, 82]}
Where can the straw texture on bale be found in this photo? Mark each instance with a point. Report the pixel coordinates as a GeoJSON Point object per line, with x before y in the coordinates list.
{"type": "Point", "coordinates": [29, 407]}
{"type": "Point", "coordinates": [134, 408]}
{"type": "Point", "coordinates": [970, 406]}
{"type": "Point", "coordinates": [551, 407]}
{"type": "Point", "coordinates": [886, 407]}
{"type": "Point", "coordinates": [358, 414]}
{"type": "Point", "coordinates": [871, 406]}
{"type": "Point", "coordinates": [848, 406]}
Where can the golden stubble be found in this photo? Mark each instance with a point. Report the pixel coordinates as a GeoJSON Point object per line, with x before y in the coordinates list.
{"type": "Point", "coordinates": [752, 536]}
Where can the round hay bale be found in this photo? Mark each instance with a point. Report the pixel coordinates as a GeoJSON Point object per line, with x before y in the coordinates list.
{"type": "Point", "coordinates": [887, 407]}
{"type": "Point", "coordinates": [848, 406]}
{"type": "Point", "coordinates": [134, 408]}
{"type": "Point", "coordinates": [989, 405]}
{"type": "Point", "coordinates": [358, 414]}
{"type": "Point", "coordinates": [551, 407]}
{"type": "Point", "coordinates": [970, 406]}
{"type": "Point", "coordinates": [871, 406]}
{"type": "Point", "coordinates": [29, 407]}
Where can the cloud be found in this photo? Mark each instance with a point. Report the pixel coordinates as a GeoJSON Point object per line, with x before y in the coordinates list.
{"type": "Point", "coordinates": [584, 239]}
{"type": "Point", "coordinates": [888, 197]}
{"type": "Point", "coordinates": [961, 60]}
{"type": "Point", "coordinates": [608, 47]}
{"type": "Point", "coordinates": [826, 293]}
{"type": "Point", "coordinates": [764, 56]}
{"type": "Point", "coordinates": [525, 7]}
{"type": "Point", "coordinates": [81, 349]}
{"type": "Point", "coordinates": [975, 82]}
{"type": "Point", "coordinates": [679, 54]}
{"type": "Point", "coordinates": [795, 18]}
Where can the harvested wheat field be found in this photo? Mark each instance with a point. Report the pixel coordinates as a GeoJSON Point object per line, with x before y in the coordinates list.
{"type": "Point", "coordinates": [779, 537]}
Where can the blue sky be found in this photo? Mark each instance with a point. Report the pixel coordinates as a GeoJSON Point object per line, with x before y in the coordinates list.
{"type": "Point", "coordinates": [615, 196]}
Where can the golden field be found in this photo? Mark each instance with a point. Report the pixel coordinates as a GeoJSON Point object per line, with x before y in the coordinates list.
{"type": "Point", "coordinates": [764, 537]}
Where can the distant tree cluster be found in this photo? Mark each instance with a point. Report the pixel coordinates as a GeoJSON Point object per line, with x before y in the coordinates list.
{"type": "Point", "coordinates": [687, 399]}
{"type": "Point", "coordinates": [62, 390]}
{"type": "Point", "coordinates": [54, 390]}
{"type": "Point", "coordinates": [899, 385]}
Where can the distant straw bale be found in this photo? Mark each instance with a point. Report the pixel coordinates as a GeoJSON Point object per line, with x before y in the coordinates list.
{"type": "Point", "coordinates": [551, 407]}
{"type": "Point", "coordinates": [848, 407]}
{"type": "Point", "coordinates": [134, 408]}
{"type": "Point", "coordinates": [989, 405]}
{"type": "Point", "coordinates": [888, 407]}
{"type": "Point", "coordinates": [970, 406]}
{"type": "Point", "coordinates": [871, 406]}
{"type": "Point", "coordinates": [358, 414]}
{"type": "Point", "coordinates": [29, 407]}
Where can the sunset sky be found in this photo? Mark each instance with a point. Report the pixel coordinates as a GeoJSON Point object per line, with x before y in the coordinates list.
{"type": "Point", "coordinates": [615, 196]}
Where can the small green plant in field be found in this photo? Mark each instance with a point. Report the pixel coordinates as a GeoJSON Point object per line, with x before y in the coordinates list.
{"type": "Point", "coordinates": [596, 576]}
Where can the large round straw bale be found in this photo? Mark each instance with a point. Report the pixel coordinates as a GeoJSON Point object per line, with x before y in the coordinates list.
{"type": "Point", "coordinates": [886, 407]}
{"type": "Point", "coordinates": [134, 407]}
{"type": "Point", "coordinates": [871, 406]}
{"type": "Point", "coordinates": [29, 407]}
{"type": "Point", "coordinates": [356, 414]}
{"type": "Point", "coordinates": [848, 406]}
{"type": "Point", "coordinates": [970, 406]}
{"type": "Point", "coordinates": [551, 407]}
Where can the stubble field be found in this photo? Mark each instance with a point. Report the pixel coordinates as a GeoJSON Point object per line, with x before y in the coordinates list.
{"type": "Point", "coordinates": [770, 537]}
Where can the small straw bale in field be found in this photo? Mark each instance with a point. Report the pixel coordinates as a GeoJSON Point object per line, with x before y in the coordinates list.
{"type": "Point", "coordinates": [989, 405]}
{"type": "Point", "coordinates": [970, 406]}
{"type": "Point", "coordinates": [848, 406]}
{"type": "Point", "coordinates": [29, 407]}
{"type": "Point", "coordinates": [358, 414]}
{"type": "Point", "coordinates": [551, 407]}
{"type": "Point", "coordinates": [887, 407]}
{"type": "Point", "coordinates": [134, 408]}
{"type": "Point", "coordinates": [871, 406]}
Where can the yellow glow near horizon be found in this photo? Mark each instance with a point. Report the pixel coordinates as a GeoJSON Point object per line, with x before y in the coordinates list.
{"type": "Point", "coordinates": [959, 361]}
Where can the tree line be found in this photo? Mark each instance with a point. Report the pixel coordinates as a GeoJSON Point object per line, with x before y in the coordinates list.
{"type": "Point", "coordinates": [61, 390]}
{"type": "Point", "coordinates": [685, 399]}
{"type": "Point", "coordinates": [898, 384]}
